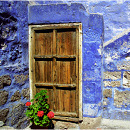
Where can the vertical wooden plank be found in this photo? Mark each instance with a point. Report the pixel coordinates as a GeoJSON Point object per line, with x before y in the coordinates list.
{"type": "Point", "coordinates": [73, 101]}
{"type": "Point", "coordinates": [54, 71]}
{"type": "Point", "coordinates": [54, 42]}
{"type": "Point", "coordinates": [68, 72]}
{"type": "Point", "coordinates": [31, 62]}
{"type": "Point", "coordinates": [73, 72]}
{"type": "Point", "coordinates": [67, 100]}
{"type": "Point", "coordinates": [77, 73]}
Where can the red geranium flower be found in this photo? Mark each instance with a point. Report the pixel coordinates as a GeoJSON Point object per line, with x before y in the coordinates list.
{"type": "Point", "coordinates": [28, 103]}
{"type": "Point", "coordinates": [40, 113]}
{"type": "Point", "coordinates": [50, 114]}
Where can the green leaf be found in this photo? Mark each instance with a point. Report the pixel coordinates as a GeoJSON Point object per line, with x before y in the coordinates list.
{"type": "Point", "coordinates": [32, 100]}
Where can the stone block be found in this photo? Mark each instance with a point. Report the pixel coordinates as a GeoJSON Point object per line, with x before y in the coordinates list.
{"type": "Point", "coordinates": [5, 80]}
{"type": "Point", "coordinates": [112, 83]}
{"type": "Point", "coordinates": [3, 97]}
{"type": "Point", "coordinates": [16, 96]}
{"type": "Point", "coordinates": [90, 123]}
{"type": "Point", "coordinates": [20, 79]}
{"type": "Point", "coordinates": [112, 75]}
{"type": "Point", "coordinates": [26, 93]}
{"type": "Point", "coordinates": [1, 82]}
{"type": "Point", "coordinates": [125, 65]}
{"type": "Point", "coordinates": [107, 93]}
{"type": "Point", "coordinates": [126, 79]}
{"type": "Point", "coordinates": [23, 123]}
{"type": "Point", "coordinates": [66, 125]}
{"type": "Point", "coordinates": [1, 123]}
{"type": "Point", "coordinates": [121, 98]}
{"type": "Point", "coordinates": [3, 114]}
{"type": "Point", "coordinates": [17, 113]}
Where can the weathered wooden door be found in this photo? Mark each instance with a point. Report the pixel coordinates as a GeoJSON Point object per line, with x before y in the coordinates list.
{"type": "Point", "coordinates": [55, 67]}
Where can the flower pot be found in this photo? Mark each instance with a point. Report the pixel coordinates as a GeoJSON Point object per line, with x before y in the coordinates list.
{"type": "Point", "coordinates": [33, 126]}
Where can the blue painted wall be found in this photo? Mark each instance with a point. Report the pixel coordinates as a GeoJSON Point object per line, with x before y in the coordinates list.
{"type": "Point", "coordinates": [14, 62]}
{"type": "Point", "coordinates": [15, 17]}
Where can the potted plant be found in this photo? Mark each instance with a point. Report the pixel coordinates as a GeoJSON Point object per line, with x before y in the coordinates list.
{"type": "Point", "coordinates": [38, 111]}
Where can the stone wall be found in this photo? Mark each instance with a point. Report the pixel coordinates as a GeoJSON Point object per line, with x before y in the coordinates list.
{"type": "Point", "coordinates": [14, 77]}
{"type": "Point", "coordinates": [116, 77]}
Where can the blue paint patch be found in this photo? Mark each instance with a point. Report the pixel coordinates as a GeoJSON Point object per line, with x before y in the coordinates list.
{"type": "Point", "coordinates": [62, 13]}
{"type": "Point", "coordinates": [91, 110]}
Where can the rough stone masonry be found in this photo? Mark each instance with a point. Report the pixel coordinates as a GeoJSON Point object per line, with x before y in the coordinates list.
{"type": "Point", "coordinates": [106, 67]}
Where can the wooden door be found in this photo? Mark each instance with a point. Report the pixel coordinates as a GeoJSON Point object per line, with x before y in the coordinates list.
{"type": "Point", "coordinates": [55, 67]}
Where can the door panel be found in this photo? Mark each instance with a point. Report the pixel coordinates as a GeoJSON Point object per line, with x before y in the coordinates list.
{"type": "Point", "coordinates": [66, 72]}
{"type": "Point", "coordinates": [66, 39]}
{"type": "Point", "coordinates": [66, 101]}
{"type": "Point", "coordinates": [43, 42]}
{"type": "Point", "coordinates": [43, 71]}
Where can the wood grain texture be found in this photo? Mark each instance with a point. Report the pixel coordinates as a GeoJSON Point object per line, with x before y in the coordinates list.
{"type": "Point", "coordinates": [66, 100]}
{"type": "Point", "coordinates": [67, 114]}
{"type": "Point", "coordinates": [66, 119]}
{"type": "Point", "coordinates": [43, 71]}
{"type": "Point", "coordinates": [43, 43]}
{"type": "Point", "coordinates": [66, 39]}
{"type": "Point", "coordinates": [66, 72]}
{"type": "Point", "coordinates": [56, 67]}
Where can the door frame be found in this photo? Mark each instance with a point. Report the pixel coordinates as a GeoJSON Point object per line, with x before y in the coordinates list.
{"type": "Point", "coordinates": [78, 27]}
